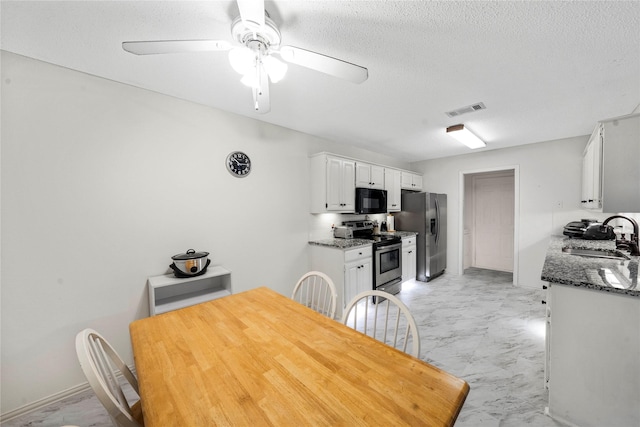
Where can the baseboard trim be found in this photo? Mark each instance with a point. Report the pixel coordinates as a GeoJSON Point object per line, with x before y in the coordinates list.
{"type": "Point", "coordinates": [46, 401]}
{"type": "Point", "coordinates": [41, 403]}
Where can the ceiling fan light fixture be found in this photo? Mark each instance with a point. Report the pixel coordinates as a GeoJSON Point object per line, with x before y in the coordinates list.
{"type": "Point", "coordinates": [242, 60]}
{"type": "Point", "coordinates": [275, 68]}
{"type": "Point", "coordinates": [465, 136]}
{"type": "Point", "coordinates": [251, 79]}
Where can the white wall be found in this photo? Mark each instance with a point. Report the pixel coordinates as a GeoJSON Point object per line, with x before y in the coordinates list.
{"type": "Point", "coordinates": [102, 183]}
{"type": "Point", "coordinates": [550, 188]}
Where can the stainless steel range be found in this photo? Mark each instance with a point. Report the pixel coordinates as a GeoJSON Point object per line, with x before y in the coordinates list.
{"type": "Point", "coordinates": [387, 255]}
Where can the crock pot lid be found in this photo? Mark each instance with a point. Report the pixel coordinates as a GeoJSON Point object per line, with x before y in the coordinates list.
{"type": "Point", "coordinates": [190, 254]}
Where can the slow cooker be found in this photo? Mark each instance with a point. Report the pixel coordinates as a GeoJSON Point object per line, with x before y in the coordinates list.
{"type": "Point", "coordinates": [190, 263]}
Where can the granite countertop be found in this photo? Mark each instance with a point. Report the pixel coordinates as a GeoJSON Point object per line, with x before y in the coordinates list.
{"type": "Point", "coordinates": [402, 234]}
{"type": "Point", "coordinates": [341, 243]}
{"type": "Point", "coordinates": [608, 275]}
{"type": "Point", "coordinates": [356, 243]}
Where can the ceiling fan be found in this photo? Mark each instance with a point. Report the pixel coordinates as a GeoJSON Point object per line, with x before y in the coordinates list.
{"type": "Point", "coordinates": [255, 55]}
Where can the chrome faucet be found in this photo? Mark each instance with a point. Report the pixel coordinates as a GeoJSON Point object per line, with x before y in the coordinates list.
{"type": "Point", "coordinates": [633, 240]}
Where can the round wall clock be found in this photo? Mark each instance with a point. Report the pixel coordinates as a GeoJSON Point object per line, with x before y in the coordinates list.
{"type": "Point", "coordinates": [238, 164]}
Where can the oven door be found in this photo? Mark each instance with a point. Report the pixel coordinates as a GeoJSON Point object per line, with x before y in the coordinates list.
{"type": "Point", "coordinates": [387, 264]}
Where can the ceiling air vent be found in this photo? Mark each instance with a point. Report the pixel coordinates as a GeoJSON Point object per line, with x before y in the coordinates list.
{"type": "Point", "coordinates": [468, 109]}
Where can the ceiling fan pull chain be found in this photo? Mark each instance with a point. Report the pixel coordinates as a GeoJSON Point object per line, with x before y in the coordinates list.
{"type": "Point", "coordinates": [259, 71]}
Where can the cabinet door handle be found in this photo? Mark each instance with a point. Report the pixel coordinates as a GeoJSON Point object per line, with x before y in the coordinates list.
{"type": "Point", "coordinates": [544, 286]}
{"type": "Point", "coordinates": [544, 302]}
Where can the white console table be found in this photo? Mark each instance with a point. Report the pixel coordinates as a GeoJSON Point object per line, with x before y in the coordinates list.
{"type": "Point", "coordinates": [167, 292]}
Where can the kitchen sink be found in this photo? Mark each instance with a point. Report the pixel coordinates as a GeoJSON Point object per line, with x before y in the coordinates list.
{"type": "Point", "coordinates": [594, 253]}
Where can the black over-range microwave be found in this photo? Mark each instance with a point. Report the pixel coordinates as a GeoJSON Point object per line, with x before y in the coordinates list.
{"type": "Point", "coordinates": [371, 201]}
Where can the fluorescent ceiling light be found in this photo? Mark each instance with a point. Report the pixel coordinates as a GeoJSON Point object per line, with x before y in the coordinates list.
{"type": "Point", "coordinates": [465, 136]}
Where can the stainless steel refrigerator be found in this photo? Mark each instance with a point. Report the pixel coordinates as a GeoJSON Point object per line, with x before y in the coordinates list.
{"type": "Point", "coordinates": [426, 214]}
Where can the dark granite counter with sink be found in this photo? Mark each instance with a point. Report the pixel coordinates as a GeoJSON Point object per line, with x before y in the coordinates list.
{"type": "Point", "coordinates": [565, 265]}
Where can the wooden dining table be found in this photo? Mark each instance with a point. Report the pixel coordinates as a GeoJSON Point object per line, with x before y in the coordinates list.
{"type": "Point", "coordinates": [258, 358]}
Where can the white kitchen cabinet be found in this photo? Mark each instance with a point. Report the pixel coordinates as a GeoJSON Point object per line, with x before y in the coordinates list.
{"type": "Point", "coordinates": [393, 185]}
{"type": "Point", "coordinates": [592, 171]}
{"type": "Point", "coordinates": [168, 292]}
{"type": "Point", "coordinates": [620, 160]}
{"type": "Point", "coordinates": [593, 353]}
{"type": "Point", "coordinates": [408, 258]}
{"type": "Point", "coordinates": [411, 181]}
{"type": "Point", "coordinates": [611, 176]}
{"type": "Point", "coordinates": [332, 184]}
{"type": "Point", "coordinates": [350, 270]}
{"type": "Point", "coordinates": [358, 273]}
{"type": "Point", "coordinates": [369, 176]}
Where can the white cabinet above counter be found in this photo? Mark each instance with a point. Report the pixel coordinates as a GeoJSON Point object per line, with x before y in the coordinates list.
{"type": "Point", "coordinates": [369, 176]}
{"type": "Point", "coordinates": [392, 183]}
{"type": "Point", "coordinates": [333, 186]}
{"type": "Point", "coordinates": [334, 180]}
{"type": "Point", "coordinates": [411, 181]}
{"type": "Point", "coordinates": [611, 171]}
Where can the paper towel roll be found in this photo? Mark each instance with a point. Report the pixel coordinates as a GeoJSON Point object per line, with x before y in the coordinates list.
{"type": "Point", "coordinates": [390, 225]}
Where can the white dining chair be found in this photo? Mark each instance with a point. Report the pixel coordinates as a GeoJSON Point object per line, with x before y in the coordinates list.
{"type": "Point", "coordinates": [387, 319]}
{"type": "Point", "coordinates": [316, 291]}
{"type": "Point", "coordinates": [102, 366]}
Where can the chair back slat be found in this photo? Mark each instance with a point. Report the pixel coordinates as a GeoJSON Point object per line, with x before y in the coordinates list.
{"type": "Point", "coordinates": [316, 291]}
{"type": "Point", "coordinates": [393, 327]}
{"type": "Point", "coordinates": [102, 367]}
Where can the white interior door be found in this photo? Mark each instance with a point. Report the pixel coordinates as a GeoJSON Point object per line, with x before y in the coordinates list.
{"type": "Point", "coordinates": [493, 216]}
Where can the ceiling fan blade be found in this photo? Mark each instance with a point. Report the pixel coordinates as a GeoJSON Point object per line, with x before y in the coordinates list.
{"type": "Point", "coordinates": [252, 13]}
{"type": "Point", "coordinates": [174, 46]}
{"type": "Point", "coordinates": [261, 100]}
{"type": "Point", "coordinates": [325, 64]}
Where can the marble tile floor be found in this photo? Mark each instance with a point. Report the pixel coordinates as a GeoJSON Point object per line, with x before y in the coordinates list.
{"type": "Point", "coordinates": [476, 326]}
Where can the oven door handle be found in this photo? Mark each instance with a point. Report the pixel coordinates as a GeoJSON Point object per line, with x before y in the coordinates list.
{"type": "Point", "coordinates": [388, 248]}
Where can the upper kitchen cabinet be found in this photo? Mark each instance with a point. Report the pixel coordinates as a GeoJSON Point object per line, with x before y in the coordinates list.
{"type": "Point", "coordinates": [393, 185]}
{"type": "Point", "coordinates": [369, 176]}
{"type": "Point", "coordinates": [611, 166]}
{"type": "Point", "coordinates": [592, 171]}
{"type": "Point", "coordinates": [411, 181]}
{"type": "Point", "coordinates": [332, 184]}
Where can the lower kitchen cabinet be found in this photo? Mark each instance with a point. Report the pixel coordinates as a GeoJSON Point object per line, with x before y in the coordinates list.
{"type": "Point", "coordinates": [357, 275]}
{"type": "Point", "coordinates": [408, 258]}
{"type": "Point", "coordinates": [593, 357]}
{"type": "Point", "coordinates": [168, 292]}
{"type": "Point", "coordinates": [351, 270]}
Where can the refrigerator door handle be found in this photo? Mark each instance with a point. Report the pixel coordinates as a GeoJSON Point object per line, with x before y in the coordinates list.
{"type": "Point", "coordinates": [437, 221]}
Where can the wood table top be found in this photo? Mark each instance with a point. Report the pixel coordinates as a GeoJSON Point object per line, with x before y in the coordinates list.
{"type": "Point", "coordinates": [259, 358]}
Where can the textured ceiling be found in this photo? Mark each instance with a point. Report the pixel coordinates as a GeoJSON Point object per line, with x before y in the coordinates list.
{"type": "Point", "coordinates": [544, 70]}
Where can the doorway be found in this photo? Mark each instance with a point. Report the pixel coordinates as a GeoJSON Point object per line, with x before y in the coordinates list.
{"type": "Point", "coordinates": [489, 219]}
